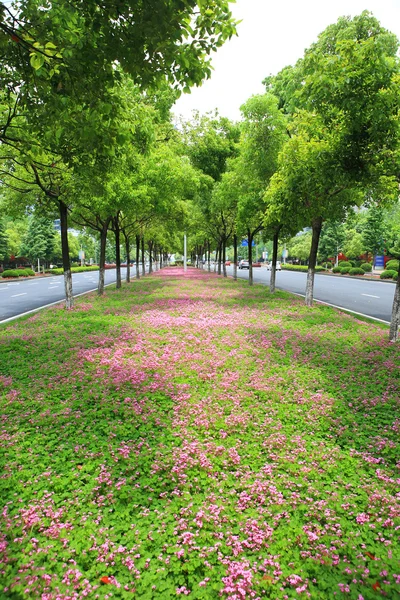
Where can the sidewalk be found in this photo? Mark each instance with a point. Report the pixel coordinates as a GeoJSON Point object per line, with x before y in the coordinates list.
{"type": "Point", "coordinates": [190, 436]}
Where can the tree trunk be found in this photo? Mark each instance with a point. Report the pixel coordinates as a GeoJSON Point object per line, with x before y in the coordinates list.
{"type": "Point", "coordinates": [117, 250]}
{"type": "Point", "coordinates": [235, 257]}
{"type": "Point", "coordinates": [250, 241]}
{"type": "Point", "coordinates": [137, 256]}
{"type": "Point", "coordinates": [219, 258]}
{"type": "Point", "coordinates": [161, 258]}
{"type": "Point", "coordinates": [274, 259]}
{"type": "Point", "coordinates": [224, 257]}
{"type": "Point", "coordinates": [102, 261]}
{"type": "Point", "coordinates": [312, 261]}
{"type": "Point", "coordinates": [150, 244]}
{"type": "Point", "coordinates": [143, 261]}
{"type": "Point", "coordinates": [209, 255]}
{"type": "Point", "coordinates": [216, 259]}
{"type": "Point", "coordinates": [394, 325]}
{"type": "Point", "coordinates": [128, 259]}
{"type": "Point", "coordinates": [69, 299]}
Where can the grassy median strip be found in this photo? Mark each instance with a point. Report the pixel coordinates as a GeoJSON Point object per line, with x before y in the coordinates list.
{"type": "Point", "coordinates": [192, 436]}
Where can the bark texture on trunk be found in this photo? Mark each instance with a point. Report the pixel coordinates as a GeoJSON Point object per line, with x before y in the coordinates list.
{"type": "Point", "coordinates": [312, 261]}
{"type": "Point", "coordinates": [395, 322]}
{"type": "Point", "coordinates": [128, 259]}
{"type": "Point", "coordinates": [151, 257]}
{"type": "Point", "coordinates": [103, 241]}
{"type": "Point", "coordinates": [69, 299]}
{"type": "Point", "coordinates": [235, 257]}
{"type": "Point", "coordinates": [219, 258]}
{"type": "Point", "coordinates": [224, 257]}
{"type": "Point", "coordinates": [209, 255]}
{"type": "Point", "coordinates": [117, 251]}
{"type": "Point", "coordinates": [143, 261]}
{"type": "Point", "coordinates": [138, 257]}
{"type": "Point", "coordinates": [250, 241]}
{"type": "Point", "coordinates": [274, 259]}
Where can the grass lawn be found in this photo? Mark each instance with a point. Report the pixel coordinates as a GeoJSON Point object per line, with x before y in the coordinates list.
{"type": "Point", "coordinates": [192, 436]}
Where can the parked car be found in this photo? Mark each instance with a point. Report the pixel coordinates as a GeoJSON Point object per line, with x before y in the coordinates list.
{"type": "Point", "coordinates": [244, 264]}
{"type": "Point", "coordinates": [278, 266]}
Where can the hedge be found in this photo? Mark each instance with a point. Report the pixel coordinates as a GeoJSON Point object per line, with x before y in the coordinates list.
{"type": "Point", "coordinates": [60, 271]}
{"type": "Point", "coordinates": [392, 265]}
{"type": "Point", "coordinates": [302, 268]}
{"type": "Point", "coordinates": [356, 271]}
{"type": "Point", "coordinates": [345, 270]}
{"type": "Point", "coordinates": [367, 267]}
{"type": "Point", "coordinates": [337, 270]}
{"type": "Point", "coordinates": [17, 273]}
{"type": "Point", "coordinates": [388, 274]}
{"type": "Point", "coordinates": [345, 263]}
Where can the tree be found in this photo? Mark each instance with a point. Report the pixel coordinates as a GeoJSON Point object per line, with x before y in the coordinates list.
{"type": "Point", "coordinates": [344, 98]}
{"type": "Point", "coordinates": [264, 132]}
{"type": "Point", "coordinates": [3, 242]}
{"type": "Point", "coordinates": [374, 234]}
{"type": "Point", "coordinates": [210, 142]}
{"type": "Point", "coordinates": [39, 240]}
{"type": "Point", "coordinates": [299, 246]}
{"type": "Point", "coordinates": [331, 240]}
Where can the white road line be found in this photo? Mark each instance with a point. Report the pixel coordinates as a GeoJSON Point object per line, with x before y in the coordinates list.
{"type": "Point", "coordinates": [15, 295]}
{"type": "Point", "coordinates": [370, 296]}
{"type": "Point", "coordinates": [34, 283]}
{"type": "Point", "coordinates": [34, 310]}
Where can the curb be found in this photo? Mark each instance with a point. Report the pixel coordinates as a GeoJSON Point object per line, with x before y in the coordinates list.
{"type": "Point", "coordinates": [360, 278]}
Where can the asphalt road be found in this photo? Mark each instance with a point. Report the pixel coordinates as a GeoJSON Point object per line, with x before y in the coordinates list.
{"type": "Point", "coordinates": [362, 296]}
{"type": "Point", "coordinates": [20, 297]}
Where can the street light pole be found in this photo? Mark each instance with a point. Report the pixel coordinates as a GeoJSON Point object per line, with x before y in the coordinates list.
{"type": "Point", "coordinates": [184, 253]}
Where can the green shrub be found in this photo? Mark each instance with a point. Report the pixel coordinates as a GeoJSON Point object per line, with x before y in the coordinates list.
{"type": "Point", "coordinates": [60, 271]}
{"type": "Point", "coordinates": [392, 265]}
{"type": "Point", "coordinates": [356, 271]}
{"type": "Point", "coordinates": [395, 277]}
{"type": "Point", "coordinates": [301, 268]}
{"type": "Point", "coordinates": [388, 274]}
{"type": "Point", "coordinates": [367, 267]}
{"type": "Point", "coordinates": [345, 263]}
{"type": "Point", "coordinates": [337, 270]}
{"type": "Point", "coordinates": [345, 270]}
{"type": "Point", "coordinates": [357, 263]}
{"type": "Point", "coordinates": [17, 273]}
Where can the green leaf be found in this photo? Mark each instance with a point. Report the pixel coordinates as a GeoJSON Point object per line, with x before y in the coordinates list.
{"type": "Point", "coordinates": [37, 61]}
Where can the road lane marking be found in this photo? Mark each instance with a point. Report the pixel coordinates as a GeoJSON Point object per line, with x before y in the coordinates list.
{"type": "Point", "coordinates": [34, 283]}
{"type": "Point", "coordinates": [34, 310]}
{"type": "Point", "coordinates": [15, 295]}
{"type": "Point", "coordinates": [370, 296]}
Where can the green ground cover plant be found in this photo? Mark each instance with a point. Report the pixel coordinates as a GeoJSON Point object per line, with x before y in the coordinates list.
{"type": "Point", "coordinates": [189, 436]}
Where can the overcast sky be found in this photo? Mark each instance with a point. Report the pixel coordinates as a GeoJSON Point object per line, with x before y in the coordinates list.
{"type": "Point", "coordinates": [272, 34]}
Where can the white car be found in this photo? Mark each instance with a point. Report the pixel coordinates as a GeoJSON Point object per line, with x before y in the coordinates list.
{"type": "Point", "coordinates": [244, 264]}
{"type": "Point", "coordinates": [278, 266]}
